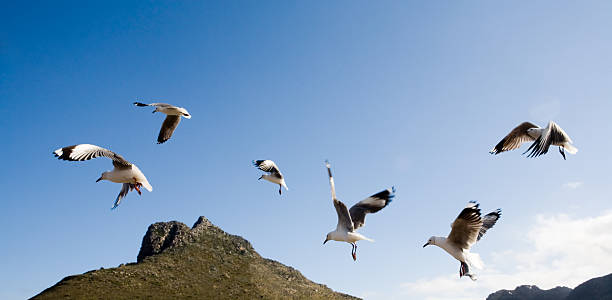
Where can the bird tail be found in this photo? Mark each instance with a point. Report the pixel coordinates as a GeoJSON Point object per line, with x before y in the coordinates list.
{"type": "Point", "coordinates": [474, 260]}
{"type": "Point", "coordinates": [147, 186]}
{"type": "Point", "coordinates": [570, 148]}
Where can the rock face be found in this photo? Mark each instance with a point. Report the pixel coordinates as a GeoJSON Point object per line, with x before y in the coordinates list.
{"type": "Point", "coordinates": [531, 292]}
{"type": "Point", "coordinates": [595, 289]}
{"type": "Point", "coordinates": [202, 262]}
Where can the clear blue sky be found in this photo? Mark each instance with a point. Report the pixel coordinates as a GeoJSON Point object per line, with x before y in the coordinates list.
{"type": "Point", "coordinates": [411, 94]}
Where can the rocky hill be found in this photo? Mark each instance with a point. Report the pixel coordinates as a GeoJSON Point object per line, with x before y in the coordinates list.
{"type": "Point", "coordinates": [595, 289]}
{"type": "Point", "coordinates": [202, 262]}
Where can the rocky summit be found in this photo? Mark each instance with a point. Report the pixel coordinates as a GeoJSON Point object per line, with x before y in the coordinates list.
{"type": "Point", "coordinates": [202, 262]}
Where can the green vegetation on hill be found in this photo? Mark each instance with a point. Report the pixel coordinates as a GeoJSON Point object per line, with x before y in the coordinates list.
{"type": "Point", "coordinates": [203, 262]}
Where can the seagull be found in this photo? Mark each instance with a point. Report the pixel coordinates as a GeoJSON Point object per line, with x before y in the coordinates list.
{"type": "Point", "coordinates": [173, 118]}
{"type": "Point", "coordinates": [466, 230]}
{"type": "Point", "coordinates": [542, 139]}
{"type": "Point", "coordinates": [274, 175]}
{"type": "Point", "coordinates": [350, 220]}
{"type": "Point", "coordinates": [123, 171]}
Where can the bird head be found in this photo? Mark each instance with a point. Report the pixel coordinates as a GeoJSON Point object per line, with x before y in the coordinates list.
{"type": "Point", "coordinates": [431, 241]}
{"type": "Point", "coordinates": [103, 176]}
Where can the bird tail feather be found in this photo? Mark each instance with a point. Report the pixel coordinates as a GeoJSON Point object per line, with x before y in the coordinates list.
{"type": "Point", "coordinates": [570, 148]}
{"type": "Point", "coordinates": [474, 260]}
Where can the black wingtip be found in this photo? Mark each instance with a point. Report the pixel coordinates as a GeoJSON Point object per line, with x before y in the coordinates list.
{"type": "Point", "coordinates": [139, 104]}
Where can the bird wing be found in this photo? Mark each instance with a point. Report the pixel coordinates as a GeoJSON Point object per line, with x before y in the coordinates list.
{"type": "Point", "coordinates": [488, 221]}
{"type": "Point", "coordinates": [268, 166]}
{"type": "Point", "coordinates": [370, 205]}
{"type": "Point", "coordinates": [553, 134]}
{"type": "Point", "coordinates": [153, 104]}
{"type": "Point", "coordinates": [168, 127]}
{"type": "Point", "coordinates": [465, 228]}
{"type": "Point", "coordinates": [125, 189]}
{"type": "Point", "coordinates": [344, 218]}
{"type": "Point", "coordinates": [515, 138]}
{"type": "Point", "coordinates": [83, 152]}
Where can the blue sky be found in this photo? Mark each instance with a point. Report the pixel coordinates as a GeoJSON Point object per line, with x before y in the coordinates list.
{"type": "Point", "coordinates": [411, 94]}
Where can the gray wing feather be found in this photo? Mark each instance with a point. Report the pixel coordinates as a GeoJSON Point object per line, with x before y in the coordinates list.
{"type": "Point", "coordinates": [344, 218]}
{"type": "Point", "coordinates": [552, 135]}
{"type": "Point", "coordinates": [267, 165]}
{"type": "Point", "coordinates": [83, 152]}
{"type": "Point", "coordinates": [488, 221]}
{"type": "Point", "coordinates": [168, 127]}
{"type": "Point", "coordinates": [370, 205]}
{"type": "Point", "coordinates": [125, 189]}
{"type": "Point", "coordinates": [465, 228]}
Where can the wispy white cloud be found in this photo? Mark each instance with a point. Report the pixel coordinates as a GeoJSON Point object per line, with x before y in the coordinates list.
{"type": "Point", "coordinates": [562, 251]}
{"type": "Point", "coordinates": [573, 185]}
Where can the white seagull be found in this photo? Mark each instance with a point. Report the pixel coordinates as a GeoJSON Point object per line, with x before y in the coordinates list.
{"type": "Point", "coordinates": [350, 220]}
{"type": "Point", "coordinates": [466, 230]}
{"type": "Point", "coordinates": [542, 139]}
{"type": "Point", "coordinates": [123, 171]}
{"type": "Point", "coordinates": [173, 118]}
{"type": "Point", "coordinates": [274, 175]}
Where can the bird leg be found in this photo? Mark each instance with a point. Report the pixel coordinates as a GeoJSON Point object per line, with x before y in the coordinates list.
{"type": "Point", "coordinates": [280, 189]}
{"type": "Point", "coordinates": [562, 152]}
{"type": "Point", "coordinates": [137, 187]}
{"type": "Point", "coordinates": [354, 251]}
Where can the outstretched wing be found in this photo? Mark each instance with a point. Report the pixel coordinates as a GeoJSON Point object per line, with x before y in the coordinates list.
{"type": "Point", "coordinates": [488, 221]}
{"type": "Point", "coordinates": [83, 152]}
{"type": "Point", "coordinates": [168, 127]}
{"type": "Point", "coordinates": [267, 166]}
{"type": "Point", "coordinates": [552, 135]}
{"type": "Point", "coordinates": [344, 218]}
{"type": "Point", "coordinates": [465, 228]}
{"type": "Point", "coordinates": [514, 139]}
{"type": "Point", "coordinates": [153, 104]}
{"type": "Point", "coordinates": [370, 205]}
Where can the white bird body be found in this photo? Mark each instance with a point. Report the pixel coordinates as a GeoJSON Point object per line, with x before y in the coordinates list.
{"type": "Point", "coordinates": [542, 138]}
{"type": "Point", "coordinates": [133, 176]}
{"type": "Point", "coordinates": [342, 235]}
{"type": "Point", "coordinates": [171, 110]}
{"type": "Point", "coordinates": [275, 179]}
{"type": "Point", "coordinates": [462, 255]}
{"type": "Point", "coordinates": [123, 172]}
{"type": "Point", "coordinates": [351, 220]}
{"type": "Point", "coordinates": [173, 118]}
{"type": "Point", "coordinates": [274, 174]}
{"type": "Point", "coordinates": [466, 230]}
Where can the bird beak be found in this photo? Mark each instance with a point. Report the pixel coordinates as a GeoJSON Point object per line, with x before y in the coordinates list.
{"type": "Point", "coordinates": [260, 177]}
{"type": "Point", "coordinates": [325, 241]}
{"type": "Point", "coordinates": [426, 244]}
{"type": "Point", "coordinates": [99, 179]}
{"type": "Point", "coordinates": [154, 111]}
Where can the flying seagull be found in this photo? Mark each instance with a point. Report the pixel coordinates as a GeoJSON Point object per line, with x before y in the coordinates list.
{"type": "Point", "coordinates": [542, 139]}
{"type": "Point", "coordinates": [349, 220]}
{"type": "Point", "coordinates": [466, 230]}
{"type": "Point", "coordinates": [123, 171]}
{"type": "Point", "coordinates": [274, 175]}
{"type": "Point", "coordinates": [173, 118]}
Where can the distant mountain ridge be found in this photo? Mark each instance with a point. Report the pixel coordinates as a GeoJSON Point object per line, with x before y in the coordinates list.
{"type": "Point", "coordinates": [599, 288]}
{"type": "Point", "coordinates": [202, 262]}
